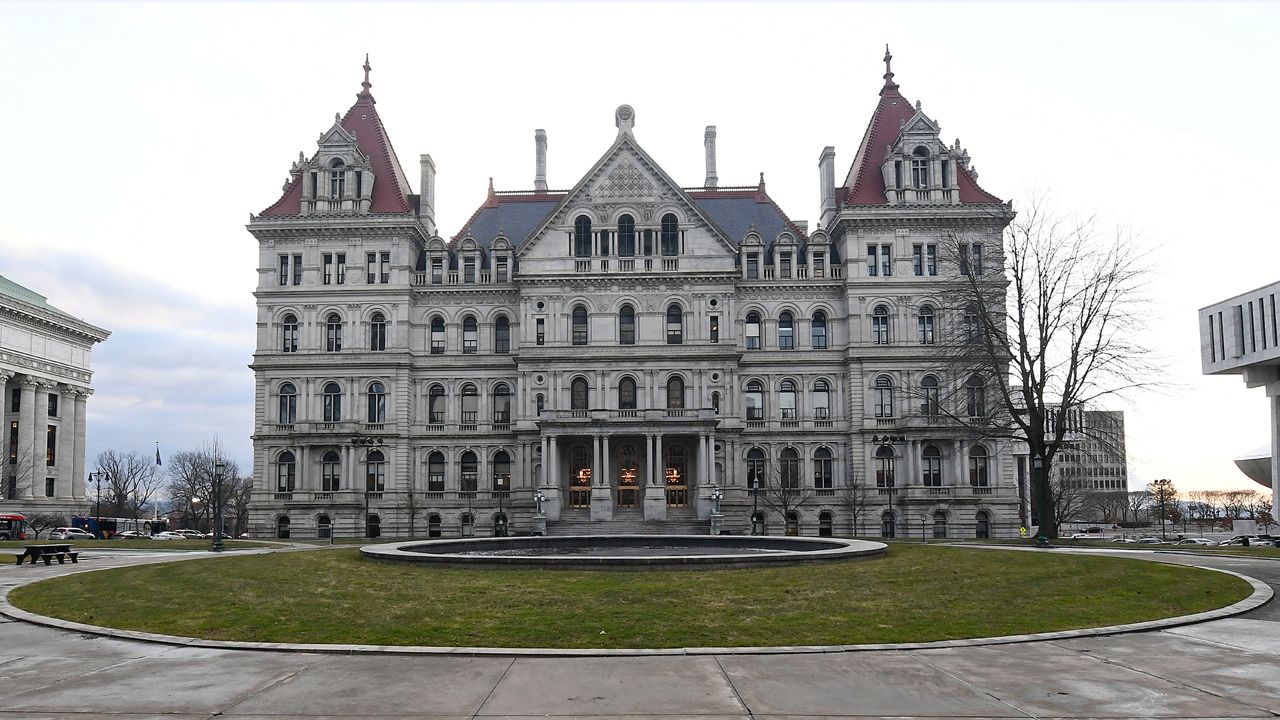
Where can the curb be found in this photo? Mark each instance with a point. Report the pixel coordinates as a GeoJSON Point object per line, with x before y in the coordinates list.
{"type": "Point", "coordinates": [1262, 594]}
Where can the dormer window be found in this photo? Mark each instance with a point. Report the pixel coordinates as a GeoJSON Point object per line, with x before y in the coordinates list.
{"type": "Point", "coordinates": [670, 235]}
{"type": "Point", "coordinates": [582, 236]}
{"type": "Point", "coordinates": [920, 168]}
{"type": "Point", "coordinates": [337, 178]}
{"type": "Point", "coordinates": [626, 236]}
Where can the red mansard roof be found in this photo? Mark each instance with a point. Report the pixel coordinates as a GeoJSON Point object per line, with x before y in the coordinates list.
{"type": "Point", "coordinates": [865, 184]}
{"type": "Point", "coordinates": [391, 187]}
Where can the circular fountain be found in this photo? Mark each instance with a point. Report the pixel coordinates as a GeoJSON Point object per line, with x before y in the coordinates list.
{"type": "Point", "coordinates": [624, 552]}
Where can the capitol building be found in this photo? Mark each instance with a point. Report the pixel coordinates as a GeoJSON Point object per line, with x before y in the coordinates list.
{"type": "Point", "coordinates": [631, 354]}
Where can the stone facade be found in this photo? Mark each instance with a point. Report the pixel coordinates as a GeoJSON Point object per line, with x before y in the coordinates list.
{"type": "Point", "coordinates": [44, 370]}
{"type": "Point", "coordinates": [628, 349]}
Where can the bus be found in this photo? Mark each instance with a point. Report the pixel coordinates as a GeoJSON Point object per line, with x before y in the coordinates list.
{"type": "Point", "coordinates": [13, 527]}
{"type": "Point", "coordinates": [105, 528]}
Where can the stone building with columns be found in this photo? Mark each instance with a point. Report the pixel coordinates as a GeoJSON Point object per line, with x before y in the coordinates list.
{"type": "Point", "coordinates": [633, 351]}
{"type": "Point", "coordinates": [44, 367]}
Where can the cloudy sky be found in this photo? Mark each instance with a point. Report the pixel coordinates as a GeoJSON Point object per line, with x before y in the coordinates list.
{"type": "Point", "coordinates": [141, 137]}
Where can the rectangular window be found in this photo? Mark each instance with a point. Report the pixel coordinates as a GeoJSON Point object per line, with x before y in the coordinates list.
{"type": "Point", "coordinates": [931, 259]}
{"type": "Point", "coordinates": [297, 269]}
{"type": "Point", "coordinates": [541, 325]}
{"type": "Point", "coordinates": [784, 265]}
{"type": "Point", "coordinates": [384, 268]}
{"type": "Point", "coordinates": [51, 446]}
{"type": "Point", "coordinates": [753, 266]}
{"type": "Point", "coordinates": [1239, 318]}
{"type": "Point", "coordinates": [819, 265]}
{"type": "Point", "coordinates": [284, 269]}
{"type": "Point", "coordinates": [501, 270]}
{"type": "Point", "coordinates": [1253, 335]}
{"type": "Point", "coordinates": [48, 487]}
{"type": "Point", "coordinates": [342, 268]}
{"type": "Point", "coordinates": [370, 267]}
{"type": "Point", "coordinates": [469, 270]}
{"type": "Point", "coordinates": [1222, 338]}
{"type": "Point", "coordinates": [714, 330]}
{"type": "Point", "coordinates": [917, 260]}
{"type": "Point", "coordinates": [886, 260]}
{"type": "Point", "coordinates": [15, 400]}
{"type": "Point", "coordinates": [53, 405]}
{"type": "Point", "coordinates": [437, 271]}
{"type": "Point", "coordinates": [872, 262]}
{"type": "Point", "coordinates": [13, 442]}
{"type": "Point", "coordinates": [964, 259]}
{"type": "Point", "coordinates": [326, 263]}
{"type": "Point", "coordinates": [1213, 342]}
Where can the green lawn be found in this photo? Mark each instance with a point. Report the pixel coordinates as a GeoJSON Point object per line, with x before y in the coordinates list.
{"type": "Point", "coordinates": [131, 544]}
{"type": "Point", "coordinates": [913, 593]}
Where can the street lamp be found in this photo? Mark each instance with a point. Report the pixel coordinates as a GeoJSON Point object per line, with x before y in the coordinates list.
{"type": "Point", "coordinates": [755, 504]}
{"type": "Point", "coordinates": [96, 477]}
{"type": "Point", "coordinates": [218, 468]}
{"type": "Point", "coordinates": [923, 522]}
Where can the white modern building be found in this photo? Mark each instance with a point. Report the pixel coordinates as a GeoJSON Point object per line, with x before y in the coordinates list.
{"type": "Point", "coordinates": [1238, 336]}
{"type": "Point", "coordinates": [44, 368]}
{"type": "Point", "coordinates": [629, 349]}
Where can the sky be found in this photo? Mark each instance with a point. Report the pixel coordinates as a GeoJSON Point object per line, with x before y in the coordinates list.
{"type": "Point", "coordinates": [140, 137]}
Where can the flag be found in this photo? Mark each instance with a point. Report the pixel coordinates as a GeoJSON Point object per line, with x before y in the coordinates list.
{"type": "Point", "coordinates": [158, 454]}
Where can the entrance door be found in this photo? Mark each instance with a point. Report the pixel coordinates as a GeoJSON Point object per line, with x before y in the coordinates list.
{"type": "Point", "coordinates": [677, 478]}
{"type": "Point", "coordinates": [580, 480]}
{"type": "Point", "coordinates": [628, 479]}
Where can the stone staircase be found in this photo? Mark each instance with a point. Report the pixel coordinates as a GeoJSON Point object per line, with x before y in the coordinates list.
{"type": "Point", "coordinates": [681, 521]}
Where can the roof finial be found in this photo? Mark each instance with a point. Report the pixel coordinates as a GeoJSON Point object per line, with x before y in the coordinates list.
{"type": "Point", "coordinates": [364, 86]}
{"type": "Point", "coordinates": [490, 183]}
{"type": "Point", "coordinates": [888, 68]}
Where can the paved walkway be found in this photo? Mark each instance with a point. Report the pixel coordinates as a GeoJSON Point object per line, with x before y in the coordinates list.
{"type": "Point", "coordinates": [1221, 669]}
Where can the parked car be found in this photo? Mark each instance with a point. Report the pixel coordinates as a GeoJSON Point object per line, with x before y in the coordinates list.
{"type": "Point", "coordinates": [191, 534]}
{"type": "Point", "coordinates": [1254, 540]}
{"type": "Point", "coordinates": [70, 533]}
{"type": "Point", "coordinates": [130, 535]}
{"type": "Point", "coordinates": [1195, 541]}
{"type": "Point", "coordinates": [1086, 536]}
{"type": "Point", "coordinates": [168, 535]}
{"type": "Point", "coordinates": [1122, 539]}
{"type": "Point", "coordinates": [1150, 541]}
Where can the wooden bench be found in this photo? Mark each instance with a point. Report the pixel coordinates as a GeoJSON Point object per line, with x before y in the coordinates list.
{"type": "Point", "coordinates": [47, 552]}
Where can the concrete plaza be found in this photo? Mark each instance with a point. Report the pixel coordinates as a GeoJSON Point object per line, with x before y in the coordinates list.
{"type": "Point", "coordinates": [1226, 668]}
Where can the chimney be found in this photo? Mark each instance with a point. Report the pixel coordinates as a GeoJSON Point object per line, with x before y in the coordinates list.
{"type": "Point", "coordinates": [827, 179]}
{"type": "Point", "coordinates": [427, 197]}
{"type": "Point", "coordinates": [540, 166]}
{"type": "Point", "coordinates": [709, 142]}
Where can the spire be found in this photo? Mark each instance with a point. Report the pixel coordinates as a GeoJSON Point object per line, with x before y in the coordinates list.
{"type": "Point", "coordinates": [364, 92]}
{"type": "Point", "coordinates": [889, 84]}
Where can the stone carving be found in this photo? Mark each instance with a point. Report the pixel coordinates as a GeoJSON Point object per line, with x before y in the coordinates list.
{"type": "Point", "coordinates": [625, 180]}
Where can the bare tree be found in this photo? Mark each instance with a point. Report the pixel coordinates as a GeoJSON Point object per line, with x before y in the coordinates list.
{"type": "Point", "coordinates": [1110, 505]}
{"type": "Point", "coordinates": [783, 492]}
{"type": "Point", "coordinates": [132, 480]}
{"type": "Point", "coordinates": [1138, 502]}
{"type": "Point", "coordinates": [411, 507]}
{"type": "Point", "coordinates": [41, 521]}
{"type": "Point", "coordinates": [236, 494]}
{"type": "Point", "coordinates": [18, 481]}
{"type": "Point", "coordinates": [1041, 332]}
{"type": "Point", "coordinates": [1164, 498]}
{"type": "Point", "coordinates": [191, 485]}
{"type": "Point", "coordinates": [1071, 500]}
{"type": "Point", "coordinates": [856, 499]}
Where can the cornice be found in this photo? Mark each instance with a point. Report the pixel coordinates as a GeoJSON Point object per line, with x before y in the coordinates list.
{"type": "Point", "coordinates": [22, 362]}
{"type": "Point", "coordinates": [65, 325]}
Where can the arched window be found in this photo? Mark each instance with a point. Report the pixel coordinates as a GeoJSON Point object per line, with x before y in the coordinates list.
{"type": "Point", "coordinates": [670, 235]}
{"type": "Point", "coordinates": [787, 399]}
{"type": "Point", "coordinates": [626, 394]}
{"type": "Point", "coordinates": [793, 523]}
{"type": "Point", "coordinates": [579, 394]}
{"type": "Point", "coordinates": [286, 471]}
{"type": "Point", "coordinates": [929, 406]}
{"type": "Point", "coordinates": [470, 404]}
{"type": "Point", "coordinates": [437, 335]}
{"type": "Point", "coordinates": [579, 325]}
{"type": "Point", "coordinates": [789, 466]}
{"type": "Point", "coordinates": [377, 403]}
{"type": "Point", "coordinates": [468, 523]}
{"type": "Point", "coordinates": [288, 404]}
{"type": "Point", "coordinates": [920, 168]}
{"type": "Point", "coordinates": [931, 466]}
{"type": "Point", "coordinates": [540, 403]}
{"type": "Point", "coordinates": [433, 525]}
{"type": "Point", "coordinates": [978, 466]}
{"type": "Point", "coordinates": [940, 524]}
{"type": "Point", "coordinates": [883, 397]}
{"type": "Point", "coordinates": [675, 324]}
{"type": "Point", "coordinates": [888, 528]}
{"type": "Point", "coordinates": [970, 323]}
{"type": "Point", "coordinates": [821, 400]}
{"type": "Point", "coordinates": [675, 393]}
{"type": "Point", "coordinates": [786, 332]}
{"type": "Point", "coordinates": [755, 400]}
{"type": "Point", "coordinates": [373, 526]}
{"type": "Point", "coordinates": [501, 404]}
{"type": "Point", "coordinates": [470, 335]}
{"type": "Point", "coordinates": [332, 402]}
{"type": "Point", "coordinates": [627, 325]}
{"type": "Point", "coordinates": [333, 333]}
{"type": "Point", "coordinates": [435, 472]}
{"type": "Point", "coordinates": [752, 331]}
{"type": "Point", "coordinates": [289, 333]}
{"type": "Point", "coordinates": [502, 335]}
{"type": "Point", "coordinates": [756, 468]}
{"type": "Point", "coordinates": [377, 332]}
{"type": "Point", "coordinates": [884, 467]}
{"type": "Point", "coordinates": [818, 331]}
{"type": "Point", "coordinates": [976, 397]}
{"type": "Point", "coordinates": [982, 524]}
{"type": "Point", "coordinates": [822, 469]}
{"type": "Point", "coordinates": [715, 403]}
{"type": "Point", "coordinates": [337, 179]}
{"type": "Point", "coordinates": [324, 527]}
{"type": "Point", "coordinates": [375, 471]}
{"type": "Point", "coordinates": [626, 236]}
{"type": "Point", "coordinates": [880, 325]}
{"type": "Point", "coordinates": [435, 405]}
{"type": "Point", "coordinates": [501, 471]}
{"type": "Point", "coordinates": [330, 472]}
{"type": "Point", "coordinates": [582, 236]}
{"type": "Point", "coordinates": [824, 524]}
{"type": "Point", "coordinates": [924, 325]}
{"type": "Point", "coordinates": [470, 472]}
{"type": "Point", "coordinates": [282, 527]}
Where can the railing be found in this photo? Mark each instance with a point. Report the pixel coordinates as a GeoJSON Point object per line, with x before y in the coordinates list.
{"type": "Point", "coordinates": [980, 490]}
{"type": "Point", "coordinates": [802, 272]}
{"type": "Point", "coordinates": [938, 491]}
{"type": "Point", "coordinates": [768, 272]}
{"type": "Point", "coordinates": [678, 412]}
{"type": "Point", "coordinates": [582, 266]}
{"type": "Point", "coordinates": [886, 422]}
{"type": "Point", "coordinates": [501, 427]}
{"type": "Point", "coordinates": [886, 492]}
{"type": "Point", "coordinates": [375, 426]}
{"type": "Point", "coordinates": [455, 277]}
{"type": "Point", "coordinates": [373, 494]}
{"type": "Point", "coordinates": [625, 413]}
{"type": "Point", "coordinates": [573, 413]}
{"type": "Point", "coordinates": [284, 496]}
{"type": "Point", "coordinates": [825, 492]}
{"type": "Point", "coordinates": [648, 264]}
{"type": "Point", "coordinates": [757, 424]}
{"type": "Point", "coordinates": [282, 427]}
{"type": "Point", "coordinates": [321, 496]}
{"type": "Point", "coordinates": [330, 426]}
{"type": "Point", "coordinates": [467, 427]}
{"type": "Point", "coordinates": [626, 264]}
{"type": "Point", "coordinates": [823, 423]}
{"type": "Point", "coordinates": [435, 428]}
{"type": "Point", "coordinates": [670, 263]}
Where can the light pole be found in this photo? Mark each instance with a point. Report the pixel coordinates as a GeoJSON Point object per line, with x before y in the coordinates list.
{"type": "Point", "coordinates": [539, 520]}
{"type": "Point", "coordinates": [717, 520]}
{"type": "Point", "coordinates": [218, 468]}
{"type": "Point", "coordinates": [97, 478]}
{"type": "Point", "coordinates": [755, 505]}
{"type": "Point", "coordinates": [923, 521]}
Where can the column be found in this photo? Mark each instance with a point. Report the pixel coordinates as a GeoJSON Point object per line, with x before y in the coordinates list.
{"type": "Point", "coordinates": [605, 465]}
{"type": "Point", "coordinates": [67, 449]}
{"type": "Point", "coordinates": [77, 470]}
{"type": "Point", "coordinates": [554, 462]}
{"type": "Point", "coordinates": [546, 457]}
{"type": "Point", "coordinates": [659, 468]}
{"type": "Point", "coordinates": [39, 440]}
{"type": "Point", "coordinates": [959, 464]}
{"type": "Point", "coordinates": [595, 459]}
{"type": "Point", "coordinates": [648, 460]}
{"type": "Point", "coordinates": [304, 469]}
{"type": "Point", "coordinates": [913, 462]}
